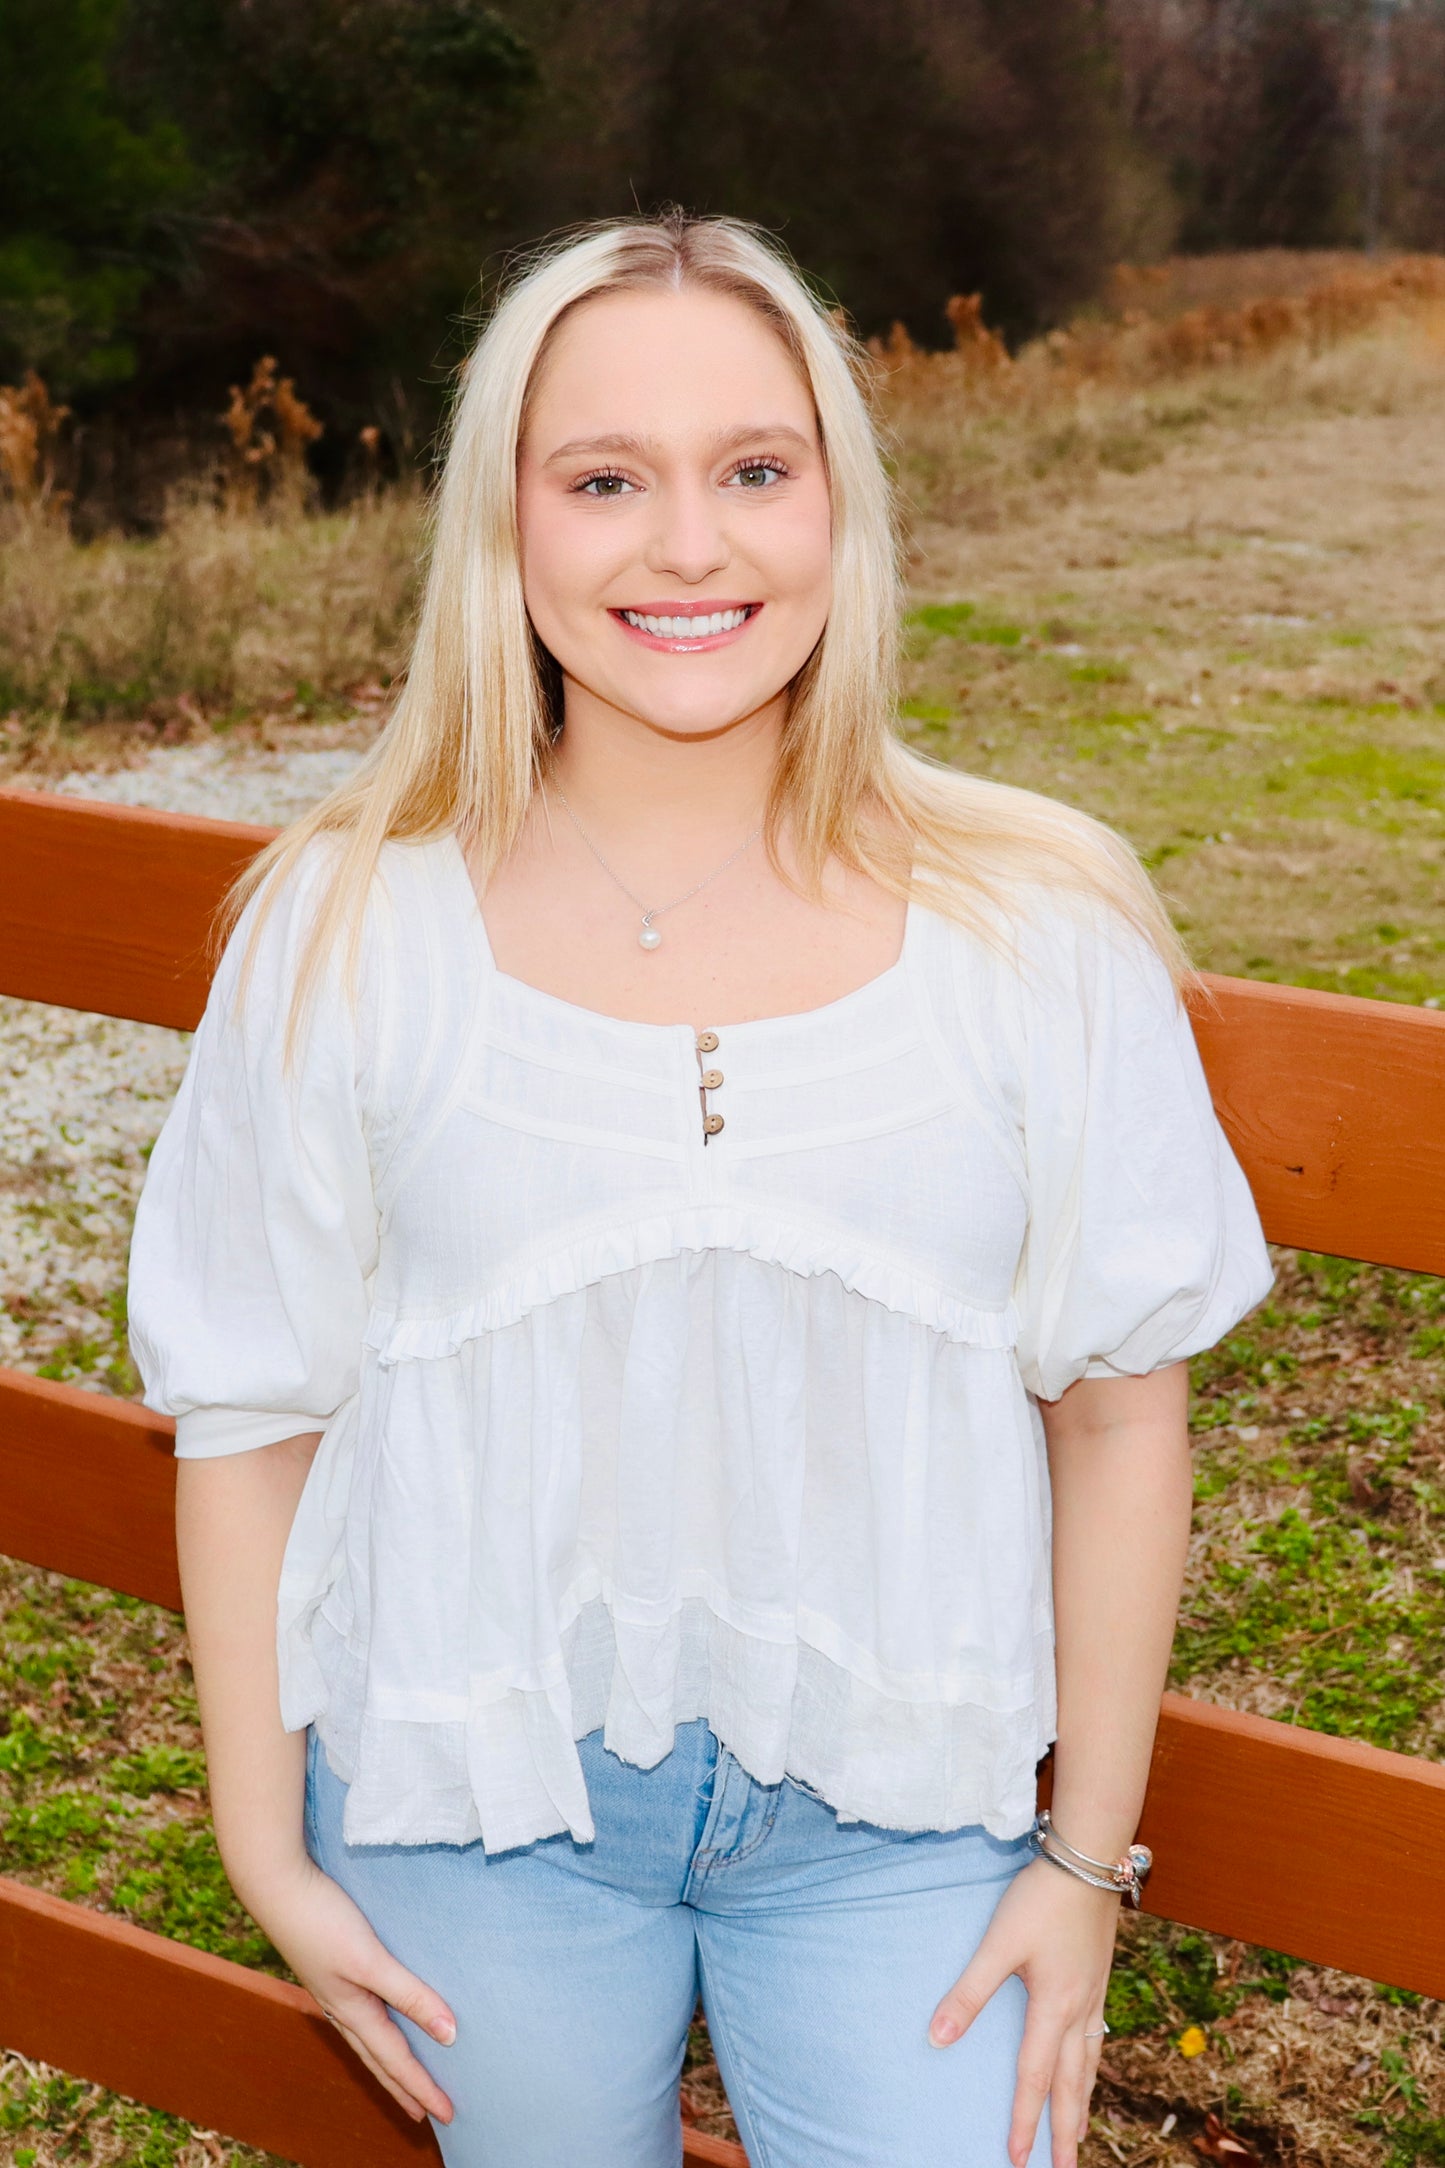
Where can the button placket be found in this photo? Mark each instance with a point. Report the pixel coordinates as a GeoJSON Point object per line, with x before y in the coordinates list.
{"type": "Point", "coordinates": [709, 1080]}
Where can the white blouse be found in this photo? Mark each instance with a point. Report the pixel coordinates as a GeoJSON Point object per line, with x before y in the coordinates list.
{"type": "Point", "coordinates": [664, 1374]}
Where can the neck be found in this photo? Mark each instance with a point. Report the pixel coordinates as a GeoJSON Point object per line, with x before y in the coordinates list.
{"type": "Point", "coordinates": [631, 777]}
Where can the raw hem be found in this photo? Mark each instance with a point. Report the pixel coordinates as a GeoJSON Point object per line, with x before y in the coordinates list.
{"type": "Point", "coordinates": [509, 1774]}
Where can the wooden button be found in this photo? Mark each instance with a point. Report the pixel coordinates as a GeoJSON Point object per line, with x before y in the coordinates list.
{"type": "Point", "coordinates": [711, 1078]}
{"type": "Point", "coordinates": [707, 1042]}
{"type": "Point", "coordinates": [712, 1123]}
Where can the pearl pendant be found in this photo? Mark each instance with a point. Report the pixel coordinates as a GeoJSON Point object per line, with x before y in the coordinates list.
{"type": "Point", "coordinates": [649, 938]}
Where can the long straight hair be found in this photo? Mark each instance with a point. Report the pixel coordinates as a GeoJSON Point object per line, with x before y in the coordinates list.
{"type": "Point", "coordinates": [474, 728]}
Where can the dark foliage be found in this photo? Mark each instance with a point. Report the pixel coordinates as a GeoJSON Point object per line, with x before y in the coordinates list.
{"type": "Point", "coordinates": [1257, 110]}
{"type": "Point", "coordinates": [80, 185]}
{"type": "Point", "coordinates": [352, 160]}
{"type": "Point", "coordinates": [186, 185]}
{"type": "Point", "coordinates": [907, 150]}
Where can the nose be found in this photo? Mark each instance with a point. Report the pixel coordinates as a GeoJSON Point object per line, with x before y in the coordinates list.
{"type": "Point", "coordinates": [687, 538]}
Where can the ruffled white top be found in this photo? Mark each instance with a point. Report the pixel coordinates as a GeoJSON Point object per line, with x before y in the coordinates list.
{"type": "Point", "coordinates": [626, 1424]}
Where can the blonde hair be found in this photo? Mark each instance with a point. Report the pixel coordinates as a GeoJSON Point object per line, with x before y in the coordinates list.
{"type": "Point", "coordinates": [473, 730]}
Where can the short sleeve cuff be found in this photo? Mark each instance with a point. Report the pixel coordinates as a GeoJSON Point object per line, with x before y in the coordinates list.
{"type": "Point", "coordinates": [206, 1433]}
{"type": "Point", "coordinates": [1099, 1366]}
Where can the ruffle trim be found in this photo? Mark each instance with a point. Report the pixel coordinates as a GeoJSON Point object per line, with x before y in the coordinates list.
{"type": "Point", "coordinates": [506, 1770]}
{"type": "Point", "coordinates": [805, 1251]}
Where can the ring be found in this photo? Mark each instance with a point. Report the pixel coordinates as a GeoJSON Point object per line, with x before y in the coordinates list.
{"type": "Point", "coordinates": [1098, 2032]}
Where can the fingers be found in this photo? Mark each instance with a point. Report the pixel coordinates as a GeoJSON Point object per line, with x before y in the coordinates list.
{"type": "Point", "coordinates": [1069, 2105]}
{"type": "Point", "coordinates": [364, 2055]}
{"type": "Point", "coordinates": [362, 2017]}
{"type": "Point", "coordinates": [1057, 2064]}
{"type": "Point", "coordinates": [984, 1974]}
{"type": "Point", "coordinates": [1038, 2060]}
{"type": "Point", "coordinates": [355, 1980]}
{"type": "Point", "coordinates": [405, 1992]}
{"type": "Point", "coordinates": [1093, 2050]}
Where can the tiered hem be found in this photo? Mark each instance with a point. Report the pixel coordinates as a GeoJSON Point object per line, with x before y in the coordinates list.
{"type": "Point", "coordinates": [505, 1769]}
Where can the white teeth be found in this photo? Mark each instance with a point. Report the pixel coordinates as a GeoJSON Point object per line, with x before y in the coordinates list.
{"type": "Point", "coordinates": [687, 628]}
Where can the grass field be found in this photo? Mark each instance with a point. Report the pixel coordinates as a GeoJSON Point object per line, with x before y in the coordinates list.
{"type": "Point", "coordinates": [1211, 609]}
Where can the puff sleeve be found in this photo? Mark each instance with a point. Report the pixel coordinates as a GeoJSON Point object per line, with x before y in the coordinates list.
{"type": "Point", "coordinates": [1143, 1243]}
{"type": "Point", "coordinates": [255, 1236]}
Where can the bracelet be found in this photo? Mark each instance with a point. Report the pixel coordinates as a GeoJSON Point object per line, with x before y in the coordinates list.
{"type": "Point", "coordinates": [1126, 1875]}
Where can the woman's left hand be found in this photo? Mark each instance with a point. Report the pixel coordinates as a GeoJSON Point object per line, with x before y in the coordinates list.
{"type": "Point", "coordinates": [1057, 1932]}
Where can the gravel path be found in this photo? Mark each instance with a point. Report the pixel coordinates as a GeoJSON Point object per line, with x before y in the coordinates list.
{"type": "Point", "coordinates": [225, 783]}
{"type": "Point", "coordinates": [82, 1097]}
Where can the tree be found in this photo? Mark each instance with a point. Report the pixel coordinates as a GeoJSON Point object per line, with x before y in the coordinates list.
{"type": "Point", "coordinates": [907, 149]}
{"type": "Point", "coordinates": [80, 190]}
{"type": "Point", "coordinates": [1251, 104]}
{"type": "Point", "coordinates": [353, 164]}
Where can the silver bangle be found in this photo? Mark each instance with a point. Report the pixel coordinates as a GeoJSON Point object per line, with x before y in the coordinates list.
{"type": "Point", "coordinates": [1126, 1875]}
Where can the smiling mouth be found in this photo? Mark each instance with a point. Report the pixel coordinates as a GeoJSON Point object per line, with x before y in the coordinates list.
{"type": "Point", "coordinates": [688, 624]}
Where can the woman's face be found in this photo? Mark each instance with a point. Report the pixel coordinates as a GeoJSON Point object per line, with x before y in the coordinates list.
{"type": "Point", "coordinates": [674, 509]}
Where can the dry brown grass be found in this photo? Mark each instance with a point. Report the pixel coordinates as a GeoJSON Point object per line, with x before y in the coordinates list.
{"type": "Point", "coordinates": [222, 615]}
{"type": "Point", "coordinates": [243, 603]}
{"type": "Point", "coordinates": [30, 430]}
{"type": "Point", "coordinates": [1233, 278]}
{"type": "Point", "coordinates": [268, 428]}
{"type": "Point", "coordinates": [982, 437]}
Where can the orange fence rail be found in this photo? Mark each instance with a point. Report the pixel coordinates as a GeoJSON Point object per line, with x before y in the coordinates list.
{"type": "Point", "coordinates": [1320, 1847]}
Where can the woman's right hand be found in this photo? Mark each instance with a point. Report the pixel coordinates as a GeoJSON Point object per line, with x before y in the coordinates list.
{"type": "Point", "coordinates": [338, 1957]}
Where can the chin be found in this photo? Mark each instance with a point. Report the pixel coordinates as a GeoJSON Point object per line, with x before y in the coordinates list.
{"type": "Point", "coordinates": [689, 711]}
{"type": "Point", "coordinates": [696, 723]}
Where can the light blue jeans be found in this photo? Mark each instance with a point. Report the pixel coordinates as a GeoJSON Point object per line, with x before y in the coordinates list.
{"type": "Point", "coordinates": [820, 1951]}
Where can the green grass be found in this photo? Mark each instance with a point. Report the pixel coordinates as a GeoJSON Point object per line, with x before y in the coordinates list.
{"type": "Point", "coordinates": [1168, 1976]}
{"type": "Point", "coordinates": [949, 621]}
{"type": "Point", "coordinates": [1220, 773]}
{"type": "Point", "coordinates": [1322, 1501]}
{"type": "Point", "coordinates": [86, 1806]}
{"type": "Point", "coordinates": [58, 2108]}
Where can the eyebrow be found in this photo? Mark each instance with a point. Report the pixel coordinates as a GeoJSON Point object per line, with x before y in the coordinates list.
{"type": "Point", "coordinates": [725, 441]}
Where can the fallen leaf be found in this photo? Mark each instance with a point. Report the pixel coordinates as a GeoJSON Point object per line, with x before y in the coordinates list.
{"type": "Point", "coordinates": [1362, 1490]}
{"type": "Point", "coordinates": [1220, 2143]}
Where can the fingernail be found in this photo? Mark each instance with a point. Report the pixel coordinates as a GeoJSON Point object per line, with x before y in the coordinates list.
{"type": "Point", "coordinates": [445, 2031]}
{"type": "Point", "coordinates": [942, 2032]}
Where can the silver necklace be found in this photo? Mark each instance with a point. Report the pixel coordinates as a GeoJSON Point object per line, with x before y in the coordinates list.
{"type": "Point", "coordinates": [648, 936]}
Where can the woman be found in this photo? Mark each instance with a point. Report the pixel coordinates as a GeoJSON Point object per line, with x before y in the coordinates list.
{"type": "Point", "coordinates": [672, 1263]}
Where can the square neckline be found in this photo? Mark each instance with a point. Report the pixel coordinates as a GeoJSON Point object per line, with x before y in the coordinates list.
{"type": "Point", "coordinates": [881, 981]}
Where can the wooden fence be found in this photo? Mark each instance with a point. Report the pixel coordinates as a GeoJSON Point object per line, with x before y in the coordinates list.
{"type": "Point", "coordinates": [1321, 1847]}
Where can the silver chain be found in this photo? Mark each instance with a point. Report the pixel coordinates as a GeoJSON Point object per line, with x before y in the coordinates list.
{"type": "Point", "coordinates": [657, 909]}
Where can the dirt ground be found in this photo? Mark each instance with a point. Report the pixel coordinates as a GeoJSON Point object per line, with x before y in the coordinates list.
{"type": "Point", "coordinates": [1238, 656]}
